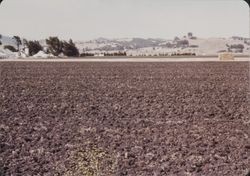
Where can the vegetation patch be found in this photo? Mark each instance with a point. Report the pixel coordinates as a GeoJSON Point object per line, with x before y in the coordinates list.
{"type": "Point", "coordinates": [91, 162]}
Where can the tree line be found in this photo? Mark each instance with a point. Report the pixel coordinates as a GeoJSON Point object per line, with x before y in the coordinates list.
{"type": "Point", "coordinates": [54, 46]}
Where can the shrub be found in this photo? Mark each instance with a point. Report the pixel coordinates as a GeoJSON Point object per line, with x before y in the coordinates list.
{"type": "Point", "coordinates": [91, 162]}
{"type": "Point", "coordinates": [11, 48]}
{"type": "Point", "coordinates": [193, 38]}
{"type": "Point", "coordinates": [193, 46]}
{"type": "Point", "coordinates": [222, 51]}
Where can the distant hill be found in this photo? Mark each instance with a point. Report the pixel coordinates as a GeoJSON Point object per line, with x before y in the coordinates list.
{"type": "Point", "coordinates": [140, 46]}
{"type": "Point", "coordinates": [153, 46]}
{"type": "Point", "coordinates": [5, 40]}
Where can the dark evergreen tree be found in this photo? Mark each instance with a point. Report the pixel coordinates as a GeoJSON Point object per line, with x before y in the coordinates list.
{"type": "Point", "coordinates": [69, 49]}
{"type": "Point", "coordinates": [55, 46]}
{"type": "Point", "coordinates": [18, 42]}
{"type": "Point", "coordinates": [33, 46]}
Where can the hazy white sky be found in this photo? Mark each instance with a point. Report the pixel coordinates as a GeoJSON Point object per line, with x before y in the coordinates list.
{"type": "Point", "coordinates": [89, 19]}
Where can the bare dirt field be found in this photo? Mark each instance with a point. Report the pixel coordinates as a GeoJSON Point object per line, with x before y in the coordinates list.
{"type": "Point", "coordinates": [137, 119]}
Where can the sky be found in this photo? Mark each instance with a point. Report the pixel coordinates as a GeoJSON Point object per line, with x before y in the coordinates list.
{"type": "Point", "coordinates": [91, 19]}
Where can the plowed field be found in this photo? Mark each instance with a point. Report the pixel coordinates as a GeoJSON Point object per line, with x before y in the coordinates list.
{"type": "Point", "coordinates": [137, 119]}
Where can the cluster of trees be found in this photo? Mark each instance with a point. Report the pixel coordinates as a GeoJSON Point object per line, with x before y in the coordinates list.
{"type": "Point", "coordinates": [33, 47]}
{"type": "Point", "coordinates": [183, 54]}
{"type": "Point", "coordinates": [116, 54]}
{"type": "Point", "coordinates": [237, 48]}
{"type": "Point", "coordinates": [70, 49]}
{"type": "Point", "coordinates": [54, 44]}
{"type": "Point", "coordinates": [85, 54]}
{"type": "Point", "coordinates": [57, 47]}
{"type": "Point", "coordinates": [110, 48]}
{"type": "Point", "coordinates": [154, 55]}
{"type": "Point", "coordinates": [179, 44]}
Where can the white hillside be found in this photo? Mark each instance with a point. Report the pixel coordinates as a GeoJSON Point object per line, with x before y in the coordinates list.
{"type": "Point", "coordinates": [5, 40]}
{"type": "Point", "coordinates": [4, 53]}
{"type": "Point", "coordinates": [212, 46]}
{"type": "Point", "coordinates": [156, 47]}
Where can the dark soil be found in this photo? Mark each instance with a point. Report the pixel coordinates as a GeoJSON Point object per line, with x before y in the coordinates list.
{"type": "Point", "coordinates": [135, 119]}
